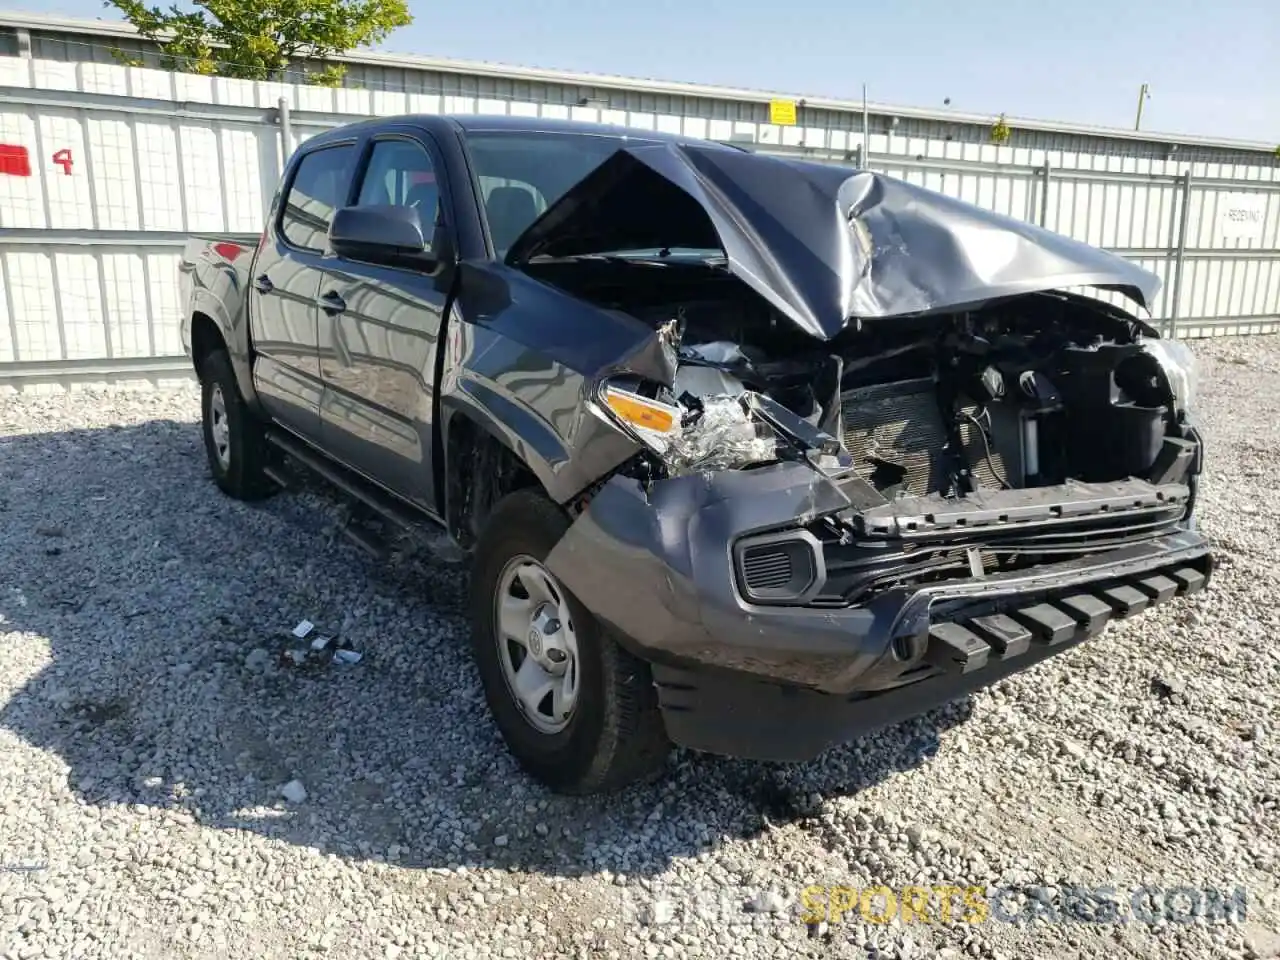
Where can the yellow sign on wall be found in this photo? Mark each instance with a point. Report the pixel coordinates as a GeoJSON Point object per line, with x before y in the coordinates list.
{"type": "Point", "coordinates": [782, 112]}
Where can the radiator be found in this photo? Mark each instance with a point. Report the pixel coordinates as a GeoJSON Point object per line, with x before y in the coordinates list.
{"type": "Point", "coordinates": [900, 424]}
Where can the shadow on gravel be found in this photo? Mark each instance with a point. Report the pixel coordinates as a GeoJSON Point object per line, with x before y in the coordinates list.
{"type": "Point", "coordinates": [154, 592]}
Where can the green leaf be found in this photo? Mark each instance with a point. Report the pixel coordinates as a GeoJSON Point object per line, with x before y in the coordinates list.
{"type": "Point", "coordinates": [259, 39]}
{"type": "Point", "coordinates": [126, 59]}
{"type": "Point", "coordinates": [1000, 130]}
{"type": "Point", "coordinates": [330, 76]}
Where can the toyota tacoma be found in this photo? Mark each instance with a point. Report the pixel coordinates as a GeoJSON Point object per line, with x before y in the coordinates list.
{"type": "Point", "coordinates": [748, 454]}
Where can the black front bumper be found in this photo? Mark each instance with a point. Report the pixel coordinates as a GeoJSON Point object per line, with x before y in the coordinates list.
{"type": "Point", "coordinates": [736, 715]}
{"type": "Point", "coordinates": [783, 683]}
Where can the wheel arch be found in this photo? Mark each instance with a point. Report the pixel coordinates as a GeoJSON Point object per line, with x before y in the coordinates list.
{"type": "Point", "coordinates": [214, 325]}
{"type": "Point", "coordinates": [481, 467]}
{"type": "Point", "coordinates": [206, 338]}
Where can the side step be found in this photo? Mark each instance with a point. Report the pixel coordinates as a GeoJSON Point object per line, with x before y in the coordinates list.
{"type": "Point", "coordinates": [279, 476]}
{"type": "Point", "coordinates": [385, 506]}
{"type": "Point", "coordinates": [366, 541]}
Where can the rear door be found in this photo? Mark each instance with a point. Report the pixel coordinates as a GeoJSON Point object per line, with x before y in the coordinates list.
{"type": "Point", "coordinates": [285, 279]}
{"type": "Point", "coordinates": [379, 329]}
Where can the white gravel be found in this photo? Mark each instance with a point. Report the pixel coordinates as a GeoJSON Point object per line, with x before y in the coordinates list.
{"type": "Point", "coordinates": [171, 787]}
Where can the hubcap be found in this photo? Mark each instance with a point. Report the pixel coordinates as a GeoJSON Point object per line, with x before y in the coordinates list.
{"type": "Point", "coordinates": [219, 427]}
{"type": "Point", "coordinates": [537, 647]}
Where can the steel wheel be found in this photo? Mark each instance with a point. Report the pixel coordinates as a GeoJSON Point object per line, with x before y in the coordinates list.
{"type": "Point", "coordinates": [576, 710]}
{"type": "Point", "coordinates": [219, 427]}
{"type": "Point", "coordinates": [537, 647]}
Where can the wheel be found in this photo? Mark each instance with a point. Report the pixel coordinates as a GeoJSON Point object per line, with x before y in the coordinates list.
{"type": "Point", "coordinates": [577, 711]}
{"type": "Point", "coordinates": [233, 436]}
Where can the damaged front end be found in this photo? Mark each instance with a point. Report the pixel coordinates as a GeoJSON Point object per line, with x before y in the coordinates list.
{"type": "Point", "coordinates": [872, 451]}
{"type": "Point", "coordinates": [709, 418]}
{"type": "Point", "coordinates": [996, 488]}
{"type": "Point", "coordinates": [961, 446]}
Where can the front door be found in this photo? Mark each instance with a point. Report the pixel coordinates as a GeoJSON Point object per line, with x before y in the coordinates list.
{"type": "Point", "coordinates": [379, 331]}
{"type": "Point", "coordinates": [283, 288]}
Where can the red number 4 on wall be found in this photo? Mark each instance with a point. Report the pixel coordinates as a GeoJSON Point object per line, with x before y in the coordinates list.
{"type": "Point", "coordinates": [63, 159]}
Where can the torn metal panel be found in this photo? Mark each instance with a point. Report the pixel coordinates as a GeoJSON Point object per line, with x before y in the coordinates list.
{"type": "Point", "coordinates": [823, 244]}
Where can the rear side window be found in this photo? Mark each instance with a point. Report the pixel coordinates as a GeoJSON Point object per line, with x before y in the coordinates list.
{"type": "Point", "coordinates": [318, 189]}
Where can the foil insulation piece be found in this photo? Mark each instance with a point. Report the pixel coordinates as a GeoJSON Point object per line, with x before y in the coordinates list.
{"type": "Point", "coordinates": [719, 437]}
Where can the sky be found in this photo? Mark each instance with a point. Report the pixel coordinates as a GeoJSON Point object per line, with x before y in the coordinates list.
{"type": "Point", "coordinates": [1213, 69]}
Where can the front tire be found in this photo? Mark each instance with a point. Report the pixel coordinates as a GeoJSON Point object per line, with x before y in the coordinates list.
{"type": "Point", "coordinates": [577, 711]}
{"type": "Point", "coordinates": [233, 437]}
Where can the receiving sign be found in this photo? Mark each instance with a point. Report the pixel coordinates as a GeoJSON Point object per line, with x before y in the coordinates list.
{"type": "Point", "coordinates": [782, 112]}
{"type": "Point", "coordinates": [1241, 216]}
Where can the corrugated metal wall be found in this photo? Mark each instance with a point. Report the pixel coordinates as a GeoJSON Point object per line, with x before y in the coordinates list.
{"type": "Point", "coordinates": [98, 42]}
{"type": "Point", "coordinates": [126, 162]}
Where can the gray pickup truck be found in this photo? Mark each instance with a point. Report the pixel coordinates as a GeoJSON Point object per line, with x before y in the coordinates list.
{"type": "Point", "coordinates": [749, 454]}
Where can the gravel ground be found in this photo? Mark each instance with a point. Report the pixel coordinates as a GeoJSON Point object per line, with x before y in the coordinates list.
{"type": "Point", "coordinates": [149, 737]}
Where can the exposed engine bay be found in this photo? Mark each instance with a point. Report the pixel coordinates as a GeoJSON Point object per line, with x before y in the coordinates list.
{"type": "Point", "coordinates": [1022, 395]}
{"type": "Point", "coordinates": [1029, 392]}
{"type": "Point", "coordinates": [1043, 427]}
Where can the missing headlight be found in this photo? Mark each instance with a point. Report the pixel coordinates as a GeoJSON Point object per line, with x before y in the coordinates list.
{"type": "Point", "coordinates": [1179, 366]}
{"type": "Point", "coordinates": [694, 434]}
{"type": "Point", "coordinates": [718, 434]}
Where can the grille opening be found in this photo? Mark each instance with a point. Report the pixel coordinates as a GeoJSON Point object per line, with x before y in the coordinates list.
{"type": "Point", "coordinates": [766, 568]}
{"type": "Point", "coordinates": [778, 570]}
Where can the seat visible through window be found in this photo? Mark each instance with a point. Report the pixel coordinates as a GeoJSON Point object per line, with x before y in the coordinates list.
{"type": "Point", "coordinates": [510, 211]}
{"type": "Point", "coordinates": [424, 197]}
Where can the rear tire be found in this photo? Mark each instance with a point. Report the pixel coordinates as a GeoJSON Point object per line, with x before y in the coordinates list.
{"type": "Point", "coordinates": [613, 735]}
{"type": "Point", "coordinates": [234, 439]}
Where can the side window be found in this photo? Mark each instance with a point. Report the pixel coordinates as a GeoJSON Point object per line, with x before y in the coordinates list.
{"type": "Point", "coordinates": [318, 189]}
{"type": "Point", "coordinates": [400, 174]}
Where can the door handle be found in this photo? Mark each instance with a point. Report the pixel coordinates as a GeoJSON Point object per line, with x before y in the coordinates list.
{"type": "Point", "coordinates": [263, 284]}
{"type": "Point", "coordinates": [332, 303]}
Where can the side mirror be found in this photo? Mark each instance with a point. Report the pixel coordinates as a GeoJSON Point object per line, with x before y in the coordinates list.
{"type": "Point", "coordinates": [381, 234]}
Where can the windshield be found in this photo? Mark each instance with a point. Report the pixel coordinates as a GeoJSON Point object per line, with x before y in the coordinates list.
{"type": "Point", "coordinates": [522, 173]}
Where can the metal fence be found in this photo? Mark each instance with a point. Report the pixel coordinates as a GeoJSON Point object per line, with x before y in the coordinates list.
{"type": "Point", "coordinates": [106, 170]}
{"type": "Point", "coordinates": [105, 42]}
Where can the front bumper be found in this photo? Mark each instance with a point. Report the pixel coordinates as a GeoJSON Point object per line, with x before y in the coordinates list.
{"type": "Point", "coordinates": [783, 683]}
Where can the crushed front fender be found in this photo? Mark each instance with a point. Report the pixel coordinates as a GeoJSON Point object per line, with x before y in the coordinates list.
{"type": "Point", "coordinates": [657, 568]}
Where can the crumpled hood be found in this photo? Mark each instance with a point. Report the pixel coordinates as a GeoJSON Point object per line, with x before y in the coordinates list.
{"type": "Point", "coordinates": [824, 244]}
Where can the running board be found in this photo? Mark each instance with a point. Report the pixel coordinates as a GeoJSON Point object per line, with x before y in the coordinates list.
{"type": "Point", "coordinates": [277, 475]}
{"type": "Point", "coordinates": [388, 508]}
{"type": "Point", "coordinates": [366, 541]}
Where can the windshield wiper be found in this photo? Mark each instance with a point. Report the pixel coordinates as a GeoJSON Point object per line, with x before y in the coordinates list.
{"type": "Point", "coordinates": [711, 259]}
{"type": "Point", "coordinates": [601, 257]}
